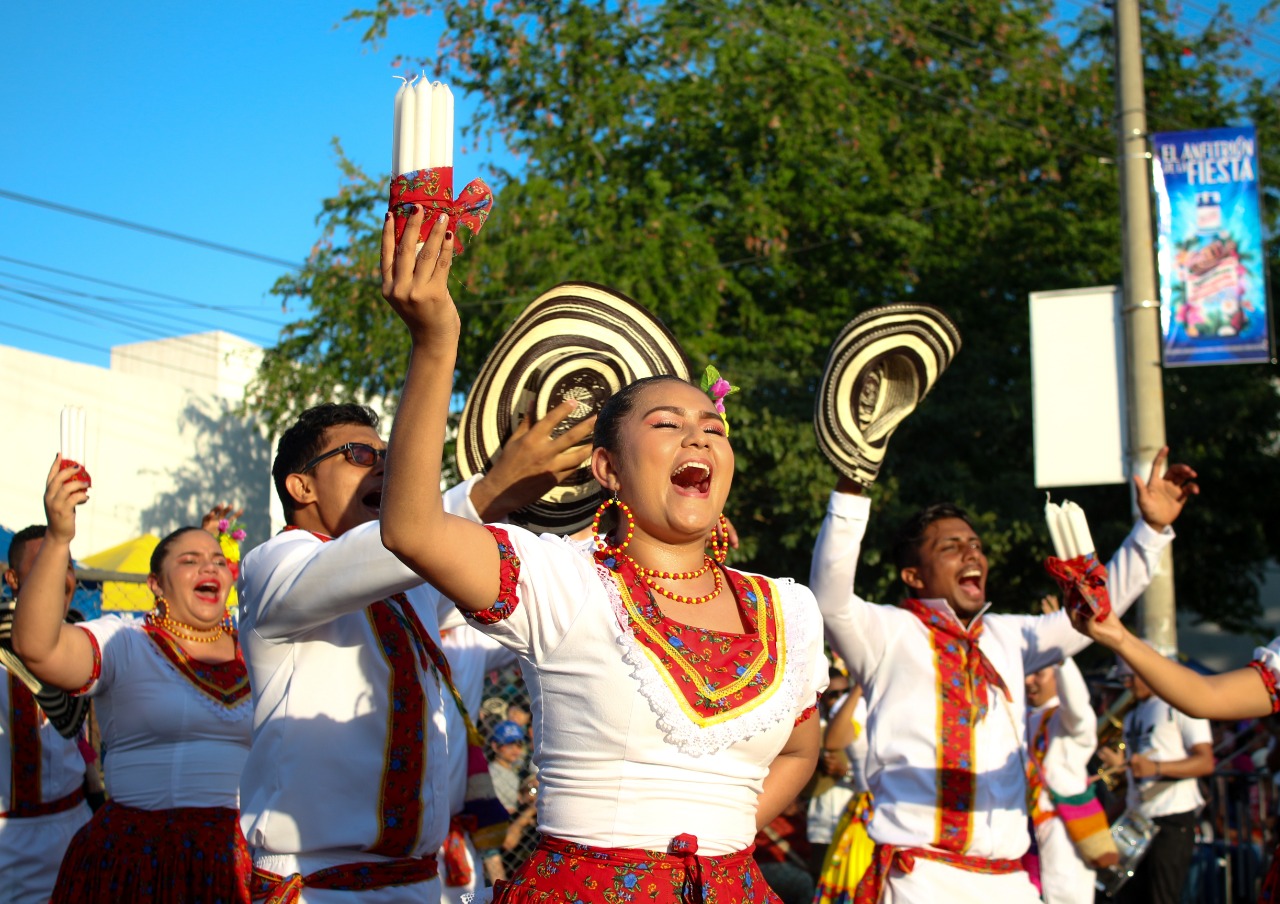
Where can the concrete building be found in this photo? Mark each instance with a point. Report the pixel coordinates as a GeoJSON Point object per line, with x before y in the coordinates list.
{"type": "Point", "coordinates": [163, 441]}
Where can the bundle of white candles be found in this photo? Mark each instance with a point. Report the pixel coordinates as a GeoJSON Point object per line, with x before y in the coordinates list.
{"type": "Point", "coordinates": [72, 433]}
{"type": "Point", "coordinates": [1069, 530]}
{"type": "Point", "coordinates": [423, 135]}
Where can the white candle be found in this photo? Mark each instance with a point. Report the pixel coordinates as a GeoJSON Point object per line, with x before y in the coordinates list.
{"type": "Point", "coordinates": [1053, 518]}
{"type": "Point", "coordinates": [407, 132]}
{"type": "Point", "coordinates": [441, 125]}
{"type": "Point", "coordinates": [1079, 528]}
{"type": "Point", "coordinates": [77, 434]}
{"type": "Point", "coordinates": [64, 433]}
{"type": "Point", "coordinates": [424, 122]}
{"type": "Point", "coordinates": [396, 132]}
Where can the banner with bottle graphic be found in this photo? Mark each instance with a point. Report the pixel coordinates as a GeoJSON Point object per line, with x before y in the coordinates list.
{"type": "Point", "coordinates": [1213, 290]}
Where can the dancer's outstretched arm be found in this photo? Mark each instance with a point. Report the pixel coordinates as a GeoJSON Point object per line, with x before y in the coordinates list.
{"type": "Point", "coordinates": [1239, 694]}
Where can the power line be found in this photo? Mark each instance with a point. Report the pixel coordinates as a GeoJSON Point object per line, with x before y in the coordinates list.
{"type": "Point", "coordinates": [231, 309]}
{"type": "Point", "coordinates": [128, 302]}
{"type": "Point", "coordinates": [151, 230]}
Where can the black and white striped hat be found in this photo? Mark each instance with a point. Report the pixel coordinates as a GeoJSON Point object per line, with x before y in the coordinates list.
{"type": "Point", "coordinates": [578, 340]}
{"type": "Point", "coordinates": [883, 363]}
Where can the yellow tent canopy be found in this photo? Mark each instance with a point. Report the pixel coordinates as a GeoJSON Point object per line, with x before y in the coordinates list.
{"type": "Point", "coordinates": [131, 557]}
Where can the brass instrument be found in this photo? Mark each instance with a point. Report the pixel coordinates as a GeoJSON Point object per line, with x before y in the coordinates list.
{"type": "Point", "coordinates": [1111, 734]}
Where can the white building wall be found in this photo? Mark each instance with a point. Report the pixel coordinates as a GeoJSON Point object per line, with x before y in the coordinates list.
{"type": "Point", "coordinates": [163, 441]}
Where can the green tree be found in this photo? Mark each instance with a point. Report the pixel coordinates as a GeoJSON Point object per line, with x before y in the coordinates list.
{"type": "Point", "coordinates": [757, 173]}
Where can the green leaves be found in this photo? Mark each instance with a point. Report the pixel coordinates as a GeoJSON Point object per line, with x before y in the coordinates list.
{"type": "Point", "coordinates": [757, 173]}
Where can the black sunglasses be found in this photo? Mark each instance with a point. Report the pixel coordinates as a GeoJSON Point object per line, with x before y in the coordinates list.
{"type": "Point", "coordinates": [360, 454]}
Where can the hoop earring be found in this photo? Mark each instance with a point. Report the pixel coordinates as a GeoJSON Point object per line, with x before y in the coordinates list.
{"type": "Point", "coordinates": [601, 544]}
{"type": "Point", "coordinates": [162, 607]}
{"type": "Point", "coordinates": [720, 541]}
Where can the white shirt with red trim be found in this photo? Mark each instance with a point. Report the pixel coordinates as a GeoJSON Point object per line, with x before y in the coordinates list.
{"type": "Point", "coordinates": [622, 761]}
{"type": "Point", "coordinates": [888, 650]}
{"type": "Point", "coordinates": [1070, 740]}
{"type": "Point", "coordinates": [167, 743]}
{"type": "Point", "coordinates": [312, 785]}
{"type": "Point", "coordinates": [61, 764]}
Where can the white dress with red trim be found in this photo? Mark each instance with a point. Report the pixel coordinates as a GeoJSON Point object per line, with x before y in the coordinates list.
{"type": "Point", "coordinates": [646, 729]}
{"type": "Point", "coordinates": [177, 733]}
{"type": "Point", "coordinates": [945, 778]}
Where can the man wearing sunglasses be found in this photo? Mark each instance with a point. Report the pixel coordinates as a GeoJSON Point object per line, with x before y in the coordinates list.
{"type": "Point", "coordinates": [342, 793]}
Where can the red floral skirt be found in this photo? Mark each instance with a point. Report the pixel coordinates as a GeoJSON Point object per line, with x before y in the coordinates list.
{"type": "Point", "coordinates": [561, 872]}
{"type": "Point", "coordinates": [187, 854]}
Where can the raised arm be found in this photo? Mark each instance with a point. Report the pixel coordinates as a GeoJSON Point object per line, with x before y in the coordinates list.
{"type": "Point", "coordinates": [458, 557]}
{"type": "Point", "coordinates": [57, 653]}
{"type": "Point", "coordinates": [1074, 710]}
{"type": "Point", "coordinates": [1240, 694]}
{"type": "Point", "coordinates": [854, 635]}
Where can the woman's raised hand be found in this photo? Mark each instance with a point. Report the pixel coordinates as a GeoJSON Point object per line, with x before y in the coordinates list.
{"type": "Point", "coordinates": [63, 491]}
{"type": "Point", "coordinates": [416, 282]}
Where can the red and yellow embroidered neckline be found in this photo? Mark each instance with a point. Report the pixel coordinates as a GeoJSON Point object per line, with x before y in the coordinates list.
{"type": "Point", "coordinates": [713, 676]}
{"type": "Point", "coordinates": [226, 683]}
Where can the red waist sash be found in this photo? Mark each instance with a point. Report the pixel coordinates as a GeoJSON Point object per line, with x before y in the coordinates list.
{"type": "Point", "coordinates": [873, 882]}
{"type": "Point", "coordinates": [276, 889]}
{"type": "Point", "coordinates": [678, 877]}
{"type": "Point", "coordinates": [61, 805]}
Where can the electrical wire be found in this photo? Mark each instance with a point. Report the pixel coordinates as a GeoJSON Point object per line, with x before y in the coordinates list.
{"type": "Point", "coordinates": [150, 230]}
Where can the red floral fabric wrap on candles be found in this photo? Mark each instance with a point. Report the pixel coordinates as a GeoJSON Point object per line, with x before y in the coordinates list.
{"type": "Point", "coordinates": [433, 189]}
{"type": "Point", "coordinates": [1084, 584]}
{"type": "Point", "coordinates": [83, 476]}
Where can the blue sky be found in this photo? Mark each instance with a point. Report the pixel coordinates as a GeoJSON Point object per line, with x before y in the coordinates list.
{"type": "Point", "coordinates": [212, 120]}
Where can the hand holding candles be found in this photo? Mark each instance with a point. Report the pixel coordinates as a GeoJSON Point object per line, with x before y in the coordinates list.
{"type": "Point", "coordinates": [72, 438]}
{"type": "Point", "coordinates": [422, 164]}
{"type": "Point", "coordinates": [1076, 568]}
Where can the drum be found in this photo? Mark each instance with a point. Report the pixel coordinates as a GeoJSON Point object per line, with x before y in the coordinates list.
{"type": "Point", "coordinates": [1132, 833]}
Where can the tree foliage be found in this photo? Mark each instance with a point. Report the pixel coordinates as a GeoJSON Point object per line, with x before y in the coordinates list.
{"type": "Point", "coordinates": [757, 173]}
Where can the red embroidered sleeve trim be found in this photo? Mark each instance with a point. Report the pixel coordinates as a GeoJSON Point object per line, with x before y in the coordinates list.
{"type": "Point", "coordinates": [97, 663]}
{"type": "Point", "coordinates": [1269, 681]}
{"type": "Point", "coordinates": [808, 712]}
{"type": "Point", "coordinates": [508, 581]}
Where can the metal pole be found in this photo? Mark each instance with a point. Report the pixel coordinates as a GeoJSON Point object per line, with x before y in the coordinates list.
{"type": "Point", "coordinates": [1141, 303]}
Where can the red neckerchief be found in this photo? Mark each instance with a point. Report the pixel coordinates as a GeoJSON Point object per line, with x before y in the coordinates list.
{"type": "Point", "coordinates": [959, 652]}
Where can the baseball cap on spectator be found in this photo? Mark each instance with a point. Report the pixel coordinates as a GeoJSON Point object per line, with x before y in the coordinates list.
{"type": "Point", "coordinates": [508, 732]}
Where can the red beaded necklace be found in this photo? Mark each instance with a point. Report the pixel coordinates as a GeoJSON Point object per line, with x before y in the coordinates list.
{"type": "Point", "coordinates": [648, 574]}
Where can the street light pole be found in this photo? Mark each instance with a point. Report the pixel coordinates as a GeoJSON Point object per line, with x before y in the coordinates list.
{"type": "Point", "coordinates": [1141, 306]}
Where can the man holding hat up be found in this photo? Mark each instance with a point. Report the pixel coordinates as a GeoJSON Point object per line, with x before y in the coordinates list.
{"type": "Point", "coordinates": [944, 680]}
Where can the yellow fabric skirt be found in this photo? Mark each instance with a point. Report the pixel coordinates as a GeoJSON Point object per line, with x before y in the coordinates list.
{"type": "Point", "coordinates": [849, 854]}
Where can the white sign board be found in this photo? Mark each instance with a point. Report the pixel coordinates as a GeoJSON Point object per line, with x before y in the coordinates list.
{"type": "Point", "coordinates": [1079, 412]}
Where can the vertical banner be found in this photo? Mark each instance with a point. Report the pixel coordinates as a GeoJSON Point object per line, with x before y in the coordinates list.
{"type": "Point", "coordinates": [1213, 290]}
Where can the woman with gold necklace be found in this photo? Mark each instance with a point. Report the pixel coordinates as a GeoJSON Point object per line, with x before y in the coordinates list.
{"type": "Point", "coordinates": [672, 696]}
{"type": "Point", "coordinates": [173, 705]}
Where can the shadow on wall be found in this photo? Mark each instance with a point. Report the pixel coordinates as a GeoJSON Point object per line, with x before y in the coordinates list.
{"type": "Point", "coordinates": [230, 462]}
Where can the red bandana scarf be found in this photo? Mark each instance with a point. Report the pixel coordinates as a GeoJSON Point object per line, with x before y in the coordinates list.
{"type": "Point", "coordinates": [965, 678]}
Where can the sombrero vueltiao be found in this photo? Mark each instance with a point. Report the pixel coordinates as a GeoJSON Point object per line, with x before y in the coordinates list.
{"type": "Point", "coordinates": [578, 340]}
{"type": "Point", "coordinates": [879, 368]}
